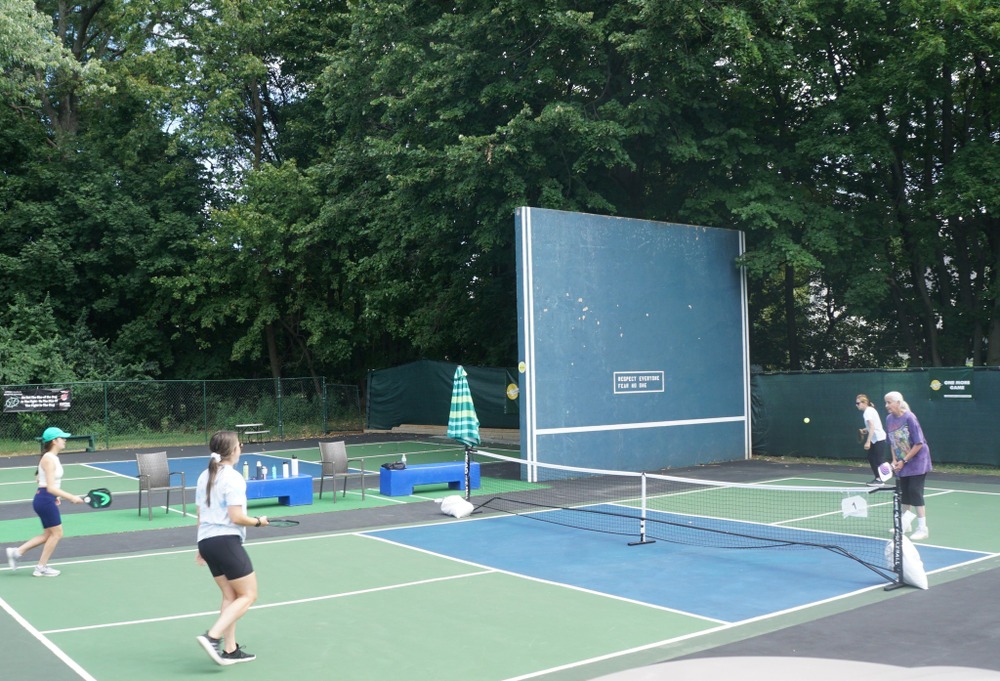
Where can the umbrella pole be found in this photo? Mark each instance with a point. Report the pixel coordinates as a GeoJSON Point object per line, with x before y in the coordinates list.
{"type": "Point", "coordinates": [468, 465]}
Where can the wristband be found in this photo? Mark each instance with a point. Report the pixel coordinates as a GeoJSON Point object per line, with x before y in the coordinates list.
{"type": "Point", "coordinates": [258, 523]}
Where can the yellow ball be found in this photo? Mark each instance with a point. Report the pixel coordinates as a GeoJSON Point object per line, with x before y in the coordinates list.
{"type": "Point", "coordinates": [805, 420]}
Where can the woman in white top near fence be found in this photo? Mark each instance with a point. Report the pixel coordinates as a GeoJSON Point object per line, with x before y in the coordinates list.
{"type": "Point", "coordinates": [46, 504]}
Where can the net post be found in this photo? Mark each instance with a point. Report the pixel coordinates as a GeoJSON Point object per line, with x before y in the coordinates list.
{"type": "Point", "coordinates": [897, 541]}
{"type": "Point", "coordinates": [642, 515]}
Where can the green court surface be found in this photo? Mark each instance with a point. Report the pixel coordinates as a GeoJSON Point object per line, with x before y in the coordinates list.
{"type": "Point", "coordinates": [342, 605]}
{"type": "Point", "coordinates": [349, 605]}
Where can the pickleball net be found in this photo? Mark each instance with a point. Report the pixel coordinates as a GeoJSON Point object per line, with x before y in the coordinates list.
{"type": "Point", "coordinates": [857, 523]}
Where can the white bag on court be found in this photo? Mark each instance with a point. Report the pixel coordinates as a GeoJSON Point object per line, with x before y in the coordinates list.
{"type": "Point", "coordinates": [456, 506]}
{"type": "Point", "coordinates": [913, 566]}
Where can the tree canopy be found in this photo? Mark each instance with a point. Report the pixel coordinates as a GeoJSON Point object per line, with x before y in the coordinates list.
{"type": "Point", "coordinates": [320, 187]}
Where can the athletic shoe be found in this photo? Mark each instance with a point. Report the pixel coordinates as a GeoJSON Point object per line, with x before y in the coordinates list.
{"type": "Point", "coordinates": [874, 483]}
{"type": "Point", "coordinates": [920, 534]}
{"type": "Point", "coordinates": [12, 558]}
{"type": "Point", "coordinates": [211, 646]}
{"type": "Point", "coordinates": [45, 571]}
{"type": "Point", "coordinates": [238, 655]}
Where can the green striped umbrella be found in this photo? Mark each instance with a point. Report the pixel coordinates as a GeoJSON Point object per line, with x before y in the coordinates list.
{"type": "Point", "coordinates": [463, 424]}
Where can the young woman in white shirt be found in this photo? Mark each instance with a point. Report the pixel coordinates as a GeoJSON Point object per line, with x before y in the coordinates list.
{"type": "Point", "coordinates": [221, 498]}
{"type": "Point", "coordinates": [876, 446]}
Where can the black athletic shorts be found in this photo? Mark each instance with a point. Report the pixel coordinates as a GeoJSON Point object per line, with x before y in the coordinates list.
{"type": "Point", "coordinates": [225, 555]}
{"type": "Point", "coordinates": [911, 489]}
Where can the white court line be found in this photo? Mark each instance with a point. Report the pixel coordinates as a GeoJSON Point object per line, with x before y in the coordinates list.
{"type": "Point", "coordinates": [32, 482]}
{"type": "Point", "coordinates": [40, 637]}
{"type": "Point", "coordinates": [298, 601]}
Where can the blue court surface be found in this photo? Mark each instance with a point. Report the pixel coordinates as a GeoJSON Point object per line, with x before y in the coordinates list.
{"type": "Point", "coordinates": [690, 579]}
{"type": "Point", "coordinates": [193, 466]}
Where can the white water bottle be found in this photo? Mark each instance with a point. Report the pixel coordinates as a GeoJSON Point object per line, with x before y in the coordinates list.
{"type": "Point", "coordinates": [295, 465]}
{"type": "Point", "coordinates": [284, 470]}
{"type": "Point", "coordinates": [404, 458]}
{"type": "Point", "coordinates": [246, 471]}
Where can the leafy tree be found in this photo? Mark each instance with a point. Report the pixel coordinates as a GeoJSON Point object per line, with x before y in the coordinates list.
{"type": "Point", "coordinates": [98, 198]}
{"type": "Point", "coordinates": [261, 280]}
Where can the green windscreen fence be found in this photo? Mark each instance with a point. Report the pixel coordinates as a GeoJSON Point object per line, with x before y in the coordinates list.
{"type": "Point", "coordinates": [420, 393]}
{"type": "Point", "coordinates": [958, 409]}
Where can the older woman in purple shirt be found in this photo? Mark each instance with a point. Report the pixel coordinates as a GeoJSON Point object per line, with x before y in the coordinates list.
{"type": "Point", "coordinates": [911, 461]}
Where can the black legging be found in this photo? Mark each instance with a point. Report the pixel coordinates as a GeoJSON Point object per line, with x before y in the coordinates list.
{"type": "Point", "coordinates": [878, 453]}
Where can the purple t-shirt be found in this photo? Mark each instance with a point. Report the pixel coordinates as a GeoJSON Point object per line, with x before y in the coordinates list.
{"type": "Point", "coordinates": [904, 432]}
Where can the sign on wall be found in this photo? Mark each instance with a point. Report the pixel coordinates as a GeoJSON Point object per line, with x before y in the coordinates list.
{"type": "Point", "coordinates": [951, 384]}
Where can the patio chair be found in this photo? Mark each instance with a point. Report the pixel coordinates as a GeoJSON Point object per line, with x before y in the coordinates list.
{"type": "Point", "coordinates": [334, 460]}
{"type": "Point", "coordinates": [155, 476]}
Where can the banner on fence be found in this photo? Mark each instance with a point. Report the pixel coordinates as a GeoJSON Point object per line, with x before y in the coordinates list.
{"type": "Point", "coordinates": [950, 383]}
{"type": "Point", "coordinates": [42, 399]}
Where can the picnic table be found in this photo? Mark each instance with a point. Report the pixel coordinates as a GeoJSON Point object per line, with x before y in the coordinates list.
{"type": "Point", "coordinates": [251, 432]}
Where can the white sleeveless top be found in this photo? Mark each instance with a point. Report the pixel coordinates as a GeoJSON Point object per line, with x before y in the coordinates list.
{"type": "Point", "coordinates": [42, 482]}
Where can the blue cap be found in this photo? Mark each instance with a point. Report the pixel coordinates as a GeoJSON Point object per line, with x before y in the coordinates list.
{"type": "Point", "coordinates": [52, 433]}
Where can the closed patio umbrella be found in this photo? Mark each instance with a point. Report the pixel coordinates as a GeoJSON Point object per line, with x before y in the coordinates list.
{"type": "Point", "coordinates": [463, 424]}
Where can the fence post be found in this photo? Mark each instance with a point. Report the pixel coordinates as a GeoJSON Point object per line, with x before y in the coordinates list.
{"type": "Point", "coordinates": [107, 417]}
{"type": "Point", "coordinates": [281, 424]}
{"type": "Point", "coordinates": [326, 407]}
{"type": "Point", "coordinates": [204, 409]}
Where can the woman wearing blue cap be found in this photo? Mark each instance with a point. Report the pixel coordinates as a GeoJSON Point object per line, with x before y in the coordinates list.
{"type": "Point", "coordinates": [46, 504]}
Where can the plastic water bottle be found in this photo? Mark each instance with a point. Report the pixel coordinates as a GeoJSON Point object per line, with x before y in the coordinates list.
{"type": "Point", "coordinates": [295, 465]}
{"type": "Point", "coordinates": [404, 458]}
{"type": "Point", "coordinates": [274, 472]}
{"type": "Point", "coordinates": [246, 470]}
{"type": "Point", "coordinates": [284, 470]}
{"type": "Point", "coordinates": [260, 472]}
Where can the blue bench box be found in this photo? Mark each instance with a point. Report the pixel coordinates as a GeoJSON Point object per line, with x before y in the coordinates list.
{"type": "Point", "coordinates": [400, 482]}
{"type": "Point", "coordinates": [296, 490]}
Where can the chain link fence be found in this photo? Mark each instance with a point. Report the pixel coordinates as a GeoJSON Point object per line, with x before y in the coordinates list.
{"type": "Point", "coordinates": [142, 414]}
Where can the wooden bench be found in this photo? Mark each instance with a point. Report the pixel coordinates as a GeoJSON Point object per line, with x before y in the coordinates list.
{"type": "Point", "coordinates": [251, 432]}
{"type": "Point", "coordinates": [295, 490]}
{"type": "Point", "coordinates": [399, 482]}
{"type": "Point", "coordinates": [89, 438]}
{"type": "Point", "coordinates": [257, 436]}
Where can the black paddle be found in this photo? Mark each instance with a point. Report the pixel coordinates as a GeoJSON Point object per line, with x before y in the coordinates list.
{"type": "Point", "coordinates": [98, 498]}
{"type": "Point", "coordinates": [281, 522]}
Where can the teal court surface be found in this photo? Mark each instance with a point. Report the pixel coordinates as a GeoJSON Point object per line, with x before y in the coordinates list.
{"type": "Point", "coordinates": [389, 588]}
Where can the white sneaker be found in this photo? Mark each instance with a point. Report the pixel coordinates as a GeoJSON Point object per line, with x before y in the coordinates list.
{"type": "Point", "coordinates": [45, 571]}
{"type": "Point", "coordinates": [920, 534]}
{"type": "Point", "coordinates": [12, 558]}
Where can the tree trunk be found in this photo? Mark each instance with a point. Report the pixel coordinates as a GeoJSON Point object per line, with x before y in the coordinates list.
{"type": "Point", "coordinates": [272, 351]}
{"type": "Point", "coordinates": [791, 327]}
